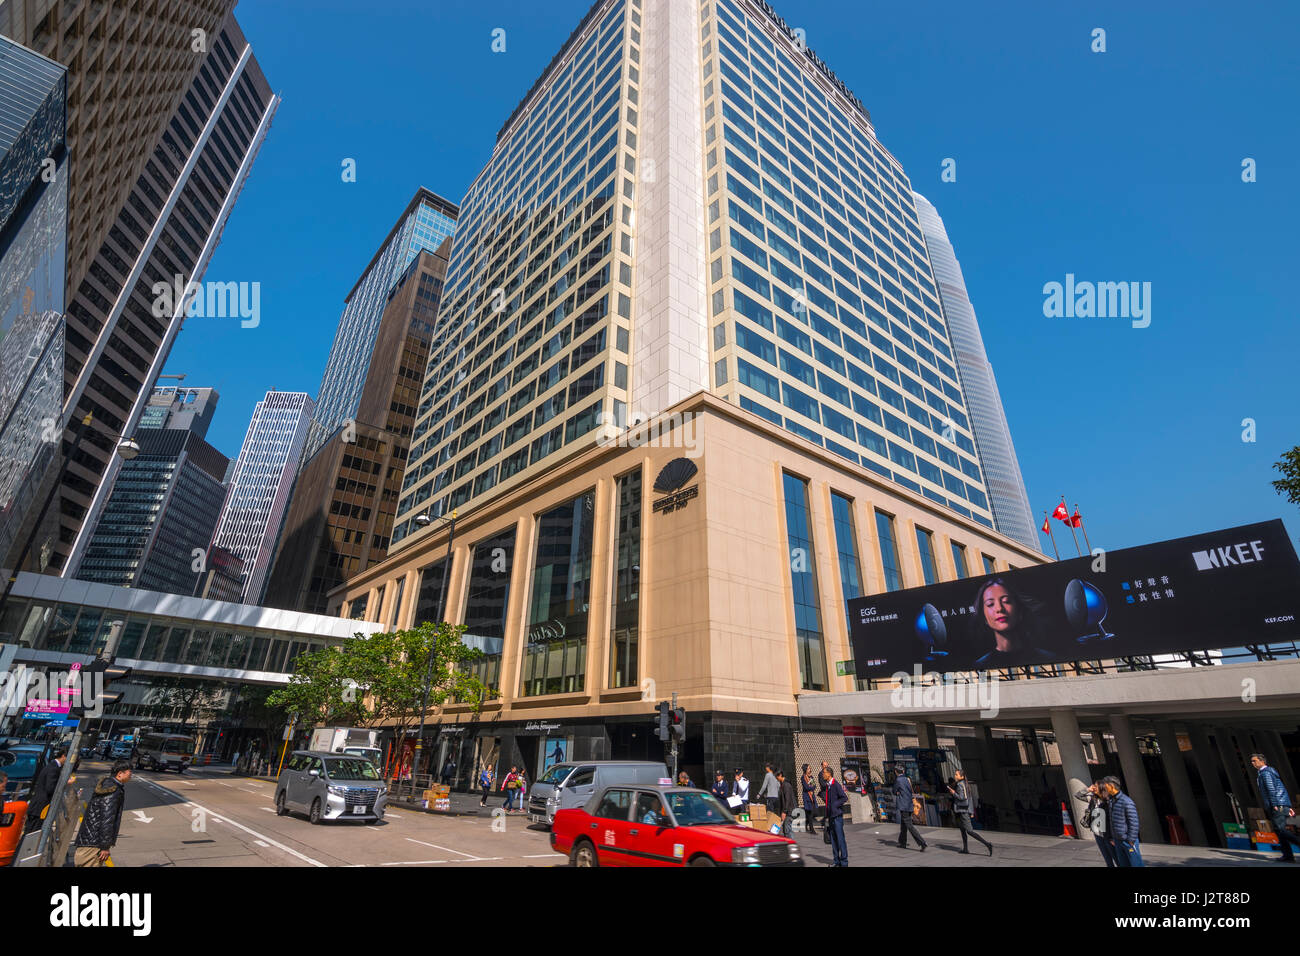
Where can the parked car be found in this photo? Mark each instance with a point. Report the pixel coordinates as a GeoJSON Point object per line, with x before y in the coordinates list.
{"type": "Point", "coordinates": [21, 761]}
{"type": "Point", "coordinates": [572, 784]}
{"type": "Point", "coordinates": [329, 786]}
{"type": "Point", "coordinates": [159, 752]}
{"type": "Point", "coordinates": [664, 826]}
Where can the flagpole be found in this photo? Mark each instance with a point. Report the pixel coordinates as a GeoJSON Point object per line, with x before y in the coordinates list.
{"type": "Point", "coordinates": [1047, 523]}
{"type": "Point", "coordinates": [1083, 528]}
{"type": "Point", "coordinates": [1068, 522]}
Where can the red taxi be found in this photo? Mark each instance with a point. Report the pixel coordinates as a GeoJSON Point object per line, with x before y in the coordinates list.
{"type": "Point", "coordinates": [640, 825]}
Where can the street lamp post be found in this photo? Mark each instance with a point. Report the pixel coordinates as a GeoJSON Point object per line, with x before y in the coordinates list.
{"type": "Point", "coordinates": [424, 521]}
{"type": "Point", "coordinates": [127, 449]}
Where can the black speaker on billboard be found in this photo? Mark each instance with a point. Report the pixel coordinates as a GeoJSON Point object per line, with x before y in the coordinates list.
{"type": "Point", "coordinates": [932, 632]}
{"type": "Point", "coordinates": [1085, 608]}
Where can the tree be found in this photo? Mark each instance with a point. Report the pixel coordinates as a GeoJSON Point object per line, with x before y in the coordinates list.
{"type": "Point", "coordinates": [188, 695]}
{"type": "Point", "coordinates": [1289, 484]}
{"type": "Point", "coordinates": [379, 679]}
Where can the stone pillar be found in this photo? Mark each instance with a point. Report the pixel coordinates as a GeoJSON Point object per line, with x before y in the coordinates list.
{"type": "Point", "coordinates": [1179, 783]}
{"type": "Point", "coordinates": [994, 792]}
{"type": "Point", "coordinates": [1276, 750]}
{"type": "Point", "coordinates": [1099, 744]}
{"type": "Point", "coordinates": [1073, 762]}
{"type": "Point", "coordinates": [1232, 767]}
{"type": "Point", "coordinates": [926, 738]}
{"type": "Point", "coordinates": [1207, 765]}
{"type": "Point", "coordinates": [1136, 784]}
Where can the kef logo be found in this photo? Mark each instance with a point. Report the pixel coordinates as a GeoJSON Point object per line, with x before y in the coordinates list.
{"type": "Point", "coordinates": [1234, 554]}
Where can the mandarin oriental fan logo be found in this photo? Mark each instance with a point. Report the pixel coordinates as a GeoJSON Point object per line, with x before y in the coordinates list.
{"type": "Point", "coordinates": [674, 475]}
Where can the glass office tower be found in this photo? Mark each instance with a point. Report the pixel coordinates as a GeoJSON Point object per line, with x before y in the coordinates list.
{"type": "Point", "coordinates": [424, 224]}
{"type": "Point", "coordinates": [997, 453]}
{"type": "Point", "coordinates": [689, 199]}
{"type": "Point", "coordinates": [259, 487]}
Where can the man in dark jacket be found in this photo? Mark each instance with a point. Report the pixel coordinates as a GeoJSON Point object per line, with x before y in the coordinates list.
{"type": "Point", "coordinates": [785, 802]}
{"type": "Point", "coordinates": [103, 817]}
{"type": "Point", "coordinates": [903, 797]}
{"type": "Point", "coordinates": [43, 787]}
{"type": "Point", "coordinates": [1277, 803]}
{"type": "Point", "coordinates": [1094, 818]}
{"type": "Point", "coordinates": [836, 799]}
{"type": "Point", "coordinates": [1124, 824]}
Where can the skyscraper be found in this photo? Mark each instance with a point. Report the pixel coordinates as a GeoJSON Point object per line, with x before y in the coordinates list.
{"type": "Point", "coordinates": [341, 517]}
{"type": "Point", "coordinates": [120, 329]}
{"type": "Point", "coordinates": [427, 220]}
{"type": "Point", "coordinates": [691, 390]}
{"type": "Point", "coordinates": [159, 517]}
{"type": "Point", "coordinates": [997, 453]}
{"type": "Point", "coordinates": [33, 238]}
{"type": "Point", "coordinates": [174, 406]}
{"type": "Point", "coordinates": [646, 229]}
{"type": "Point", "coordinates": [260, 485]}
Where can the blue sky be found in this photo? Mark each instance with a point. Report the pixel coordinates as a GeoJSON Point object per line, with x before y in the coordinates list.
{"type": "Point", "coordinates": [1117, 166]}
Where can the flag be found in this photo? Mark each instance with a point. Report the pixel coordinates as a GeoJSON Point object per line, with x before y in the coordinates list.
{"type": "Point", "coordinates": [1076, 519]}
{"type": "Point", "coordinates": [1046, 529]}
{"type": "Point", "coordinates": [1062, 513]}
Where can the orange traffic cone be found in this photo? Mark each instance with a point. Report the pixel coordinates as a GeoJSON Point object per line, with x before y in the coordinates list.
{"type": "Point", "coordinates": [1065, 819]}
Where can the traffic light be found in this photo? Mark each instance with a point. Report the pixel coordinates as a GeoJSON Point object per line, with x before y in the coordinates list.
{"type": "Point", "coordinates": [664, 721]}
{"type": "Point", "coordinates": [104, 697]}
{"type": "Point", "coordinates": [678, 726]}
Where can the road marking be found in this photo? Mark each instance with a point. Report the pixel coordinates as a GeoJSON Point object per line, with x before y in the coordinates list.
{"type": "Point", "coordinates": [217, 818]}
{"type": "Point", "coordinates": [261, 843]}
{"type": "Point", "coordinates": [267, 809]}
{"type": "Point", "coordinates": [537, 856]}
{"type": "Point", "coordinates": [448, 849]}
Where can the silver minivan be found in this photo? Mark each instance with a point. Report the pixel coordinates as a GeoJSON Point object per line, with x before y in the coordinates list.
{"type": "Point", "coordinates": [331, 787]}
{"type": "Point", "coordinates": [572, 784]}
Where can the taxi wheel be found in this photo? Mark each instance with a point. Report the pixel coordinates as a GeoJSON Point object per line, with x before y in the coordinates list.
{"type": "Point", "coordinates": [701, 861]}
{"type": "Point", "coordinates": [584, 854]}
{"type": "Point", "coordinates": [315, 811]}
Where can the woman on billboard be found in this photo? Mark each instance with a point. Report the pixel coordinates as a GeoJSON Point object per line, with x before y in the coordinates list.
{"type": "Point", "coordinates": [1006, 625]}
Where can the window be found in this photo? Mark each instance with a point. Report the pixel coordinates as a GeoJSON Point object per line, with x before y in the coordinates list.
{"type": "Point", "coordinates": [615, 805]}
{"type": "Point", "coordinates": [486, 606]}
{"type": "Point", "coordinates": [888, 551]}
{"type": "Point", "coordinates": [555, 658]}
{"type": "Point", "coordinates": [959, 559]}
{"type": "Point", "coordinates": [429, 600]}
{"type": "Point", "coordinates": [626, 603]}
{"type": "Point", "coordinates": [925, 545]}
{"type": "Point", "coordinates": [989, 566]}
{"type": "Point", "coordinates": [803, 576]}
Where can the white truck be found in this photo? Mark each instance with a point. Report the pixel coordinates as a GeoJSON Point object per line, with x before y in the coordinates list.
{"type": "Point", "coordinates": [356, 741]}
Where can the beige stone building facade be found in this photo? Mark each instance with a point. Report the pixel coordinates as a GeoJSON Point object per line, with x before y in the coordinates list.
{"type": "Point", "coordinates": [688, 588]}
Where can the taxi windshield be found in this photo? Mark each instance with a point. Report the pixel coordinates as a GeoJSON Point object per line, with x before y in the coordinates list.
{"type": "Point", "coordinates": [698, 809]}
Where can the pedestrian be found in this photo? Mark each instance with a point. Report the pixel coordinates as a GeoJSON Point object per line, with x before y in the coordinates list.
{"type": "Point", "coordinates": [509, 786]}
{"type": "Point", "coordinates": [523, 792]}
{"type": "Point", "coordinates": [785, 802]}
{"type": "Point", "coordinates": [47, 781]}
{"type": "Point", "coordinates": [102, 818]}
{"type": "Point", "coordinates": [770, 791]}
{"type": "Point", "coordinates": [485, 781]}
{"type": "Point", "coordinates": [685, 781]}
{"type": "Point", "coordinates": [1095, 819]}
{"type": "Point", "coordinates": [809, 787]}
{"type": "Point", "coordinates": [1124, 824]}
{"type": "Point", "coordinates": [1277, 802]}
{"type": "Point", "coordinates": [719, 788]}
{"type": "Point", "coordinates": [836, 800]}
{"type": "Point", "coordinates": [903, 798]}
{"type": "Point", "coordinates": [447, 769]}
{"type": "Point", "coordinates": [963, 807]}
{"type": "Point", "coordinates": [740, 788]}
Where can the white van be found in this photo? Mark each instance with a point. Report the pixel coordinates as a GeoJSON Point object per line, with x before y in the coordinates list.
{"type": "Point", "coordinates": [572, 784]}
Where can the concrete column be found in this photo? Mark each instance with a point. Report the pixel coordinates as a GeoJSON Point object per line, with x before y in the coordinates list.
{"type": "Point", "coordinates": [994, 792]}
{"type": "Point", "coordinates": [1136, 784]}
{"type": "Point", "coordinates": [1099, 744]}
{"type": "Point", "coordinates": [1207, 765]}
{"type": "Point", "coordinates": [1033, 753]}
{"type": "Point", "coordinates": [1176, 771]}
{"type": "Point", "coordinates": [1232, 767]}
{"type": "Point", "coordinates": [1073, 762]}
{"type": "Point", "coordinates": [926, 738]}
{"type": "Point", "coordinates": [1276, 750]}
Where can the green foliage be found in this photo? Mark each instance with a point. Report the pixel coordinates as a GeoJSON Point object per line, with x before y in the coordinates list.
{"type": "Point", "coordinates": [1289, 484]}
{"type": "Point", "coordinates": [380, 678]}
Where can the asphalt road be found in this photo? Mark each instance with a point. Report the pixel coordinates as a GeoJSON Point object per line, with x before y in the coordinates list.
{"type": "Point", "coordinates": [208, 817]}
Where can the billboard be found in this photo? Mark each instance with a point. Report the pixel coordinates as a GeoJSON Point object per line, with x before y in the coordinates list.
{"type": "Point", "coordinates": [1219, 589]}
